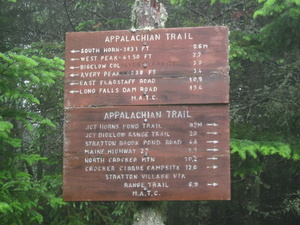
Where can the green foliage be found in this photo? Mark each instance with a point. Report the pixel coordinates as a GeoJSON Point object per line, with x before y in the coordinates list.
{"type": "Point", "coordinates": [101, 15]}
{"type": "Point", "coordinates": [85, 25]}
{"type": "Point", "coordinates": [221, 1]}
{"type": "Point", "coordinates": [283, 31]}
{"type": "Point", "coordinates": [276, 6]}
{"type": "Point", "coordinates": [31, 124]}
{"type": "Point", "coordinates": [31, 159]}
{"type": "Point", "coordinates": [124, 212]}
{"type": "Point", "coordinates": [5, 129]}
{"type": "Point", "coordinates": [179, 2]}
{"type": "Point", "coordinates": [88, 3]}
{"type": "Point", "coordinates": [22, 79]}
{"type": "Point", "coordinates": [249, 148]}
{"type": "Point", "coordinates": [265, 122]}
{"type": "Point", "coordinates": [292, 204]}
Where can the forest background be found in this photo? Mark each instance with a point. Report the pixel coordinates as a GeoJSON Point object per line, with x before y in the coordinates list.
{"type": "Point", "coordinates": [265, 118]}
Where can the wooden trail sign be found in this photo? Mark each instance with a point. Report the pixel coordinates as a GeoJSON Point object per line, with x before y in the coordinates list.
{"type": "Point", "coordinates": [138, 153]}
{"type": "Point", "coordinates": [147, 115]}
{"type": "Point", "coordinates": [163, 66]}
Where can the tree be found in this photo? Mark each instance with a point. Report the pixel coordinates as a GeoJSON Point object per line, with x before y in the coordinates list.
{"type": "Point", "coordinates": [264, 110]}
{"type": "Point", "coordinates": [23, 80]}
{"type": "Point", "coordinates": [22, 23]}
{"type": "Point", "coordinates": [31, 120]}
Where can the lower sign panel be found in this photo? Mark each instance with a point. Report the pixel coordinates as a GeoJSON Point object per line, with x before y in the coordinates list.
{"type": "Point", "coordinates": [141, 153]}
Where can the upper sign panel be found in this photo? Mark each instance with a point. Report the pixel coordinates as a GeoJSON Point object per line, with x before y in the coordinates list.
{"type": "Point", "coordinates": [160, 66]}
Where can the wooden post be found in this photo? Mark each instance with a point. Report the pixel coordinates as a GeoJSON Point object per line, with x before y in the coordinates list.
{"type": "Point", "coordinates": [150, 213]}
{"type": "Point", "coordinates": [149, 14]}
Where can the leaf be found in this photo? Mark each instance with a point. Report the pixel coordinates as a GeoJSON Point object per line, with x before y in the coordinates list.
{"type": "Point", "coordinates": [57, 202]}
{"type": "Point", "coordinates": [4, 207]}
{"type": "Point", "coordinates": [16, 205]}
{"type": "Point", "coordinates": [48, 122]}
{"type": "Point", "coordinates": [23, 175]}
{"type": "Point", "coordinates": [32, 158]}
{"type": "Point", "coordinates": [2, 176]}
{"type": "Point", "coordinates": [37, 217]}
{"type": "Point", "coordinates": [212, 2]}
{"type": "Point", "coordinates": [247, 147]}
{"type": "Point", "coordinates": [5, 126]}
